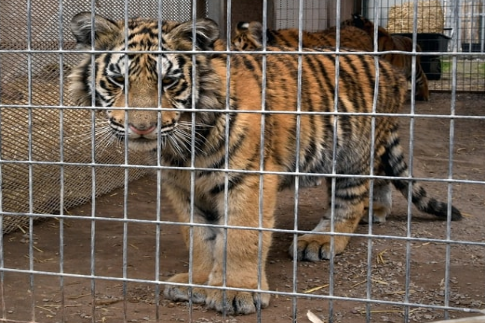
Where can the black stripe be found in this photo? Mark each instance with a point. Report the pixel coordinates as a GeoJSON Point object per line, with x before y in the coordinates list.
{"type": "Point", "coordinates": [327, 95]}
{"type": "Point", "coordinates": [233, 182]}
{"type": "Point", "coordinates": [330, 84]}
{"type": "Point", "coordinates": [370, 74]}
{"type": "Point", "coordinates": [312, 61]}
{"type": "Point", "coordinates": [248, 64]}
{"type": "Point", "coordinates": [181, 88]}
{"type": "Point", "coordinates": [271, 38]}
{"type": "Point", "coordinates": [211, 216]}
{"type": "Point", "coordinates": [351, 72]}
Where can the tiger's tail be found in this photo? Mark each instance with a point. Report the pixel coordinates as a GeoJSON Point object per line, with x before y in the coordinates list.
{"type": "Point", "coordinates": [394, 165]}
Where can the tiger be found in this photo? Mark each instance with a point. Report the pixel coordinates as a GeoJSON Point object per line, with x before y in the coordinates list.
{"type": "Point", "coordinates": [220, 153]}
{"type": "Point", "coordinates": [249, 36]}
{"type": "Point", "coordinates": [388, 42]}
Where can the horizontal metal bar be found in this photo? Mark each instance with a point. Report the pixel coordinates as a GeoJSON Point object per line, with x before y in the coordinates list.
{"type": "Point", "coordinates": [272, 292]}
{"type": "Point", "coordinates": [235, 227]}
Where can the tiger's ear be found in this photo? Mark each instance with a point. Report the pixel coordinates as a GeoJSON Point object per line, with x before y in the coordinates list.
{"type": "Point", "coordinates": [256, 30]}
{"type": "Point", "coordinates": [255, 27]}
{"type": "Point", "coordinates": [242, 26]}
{"type": "Point", "coordinates": [105, 30]}
{"type": "Point", "coordinates": [355, 16]}
{"type": "Point", "coordinates": [358, 20]}
{"type": "Point", "coordinates": [206, 33]}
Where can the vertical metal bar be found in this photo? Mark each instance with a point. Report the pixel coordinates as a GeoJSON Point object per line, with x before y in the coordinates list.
{"type": "Point", "coordinates": [3, 304]}
{"type": "Point", "coordinates": [409, 215]}
{"type": "Point", "coordinates": [192, 158]}
{"type": "Point", "coordinates": [61, 155]}
{"type": "Point", "coordinates": [331, 287]}
{"type": "Point", "coordinates": [158, 231]}
{"type": "Point", "coordinates": [482, 27]}
{"type": "Point", "coordinates": [450, 168]}
{"type": "Point", "coordinates": [2, 222]}
{"type": "Point", "coordinates": [30, 165]}
{"type": "Point", "coordinates": [192, 180]}
{"type": "Point", "coordinates": [261, 161]}
{"type": "Point", "coordinates": [449, 193]}
{"type": "Point", "coordinates": [93, 168]}
{"type": "Point", "coordinates": [409, 219]}
{"type": "Point", "coordinates": [410, 163]}
{"type": "Point", "coordinates": [297, 159]}
{"type": "Point", "coordinates": [472, 17]}
{"type": "Point", "coordinates": [126, 170]}
{"type": "Point", "coordinates": [376, 34]}
{"type": "Point", "coordinates": [371, 187]}
{"type": "Point", "coordinates": [158, 226]}
{"type": "Point", "coordinates": [226, 147]}
{"type": "Point", "coordinates": [413, 57]}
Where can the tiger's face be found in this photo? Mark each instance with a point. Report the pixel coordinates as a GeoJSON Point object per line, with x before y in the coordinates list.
{"type": "Point", "coordinates": [365, 24]}
{"type": "Point", "coordinates": [133, 70]}
{"type": "Point", "coordinates": [358, 21]}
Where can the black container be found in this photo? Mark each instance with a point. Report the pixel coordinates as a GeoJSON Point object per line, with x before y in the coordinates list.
{"type": "Point", "coordinates": [471, 47]}
{"type": "Point", "coordinates": [431, 42]}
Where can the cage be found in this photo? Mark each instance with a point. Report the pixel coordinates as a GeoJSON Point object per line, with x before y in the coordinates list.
{"type": "Point", "coordinates": [89, 234]}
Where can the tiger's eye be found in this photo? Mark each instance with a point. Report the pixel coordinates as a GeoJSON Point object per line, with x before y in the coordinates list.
{"type": "Point", "coordinates": [168, 81]}
{"type": "Point", "coordinates": [118, 79]}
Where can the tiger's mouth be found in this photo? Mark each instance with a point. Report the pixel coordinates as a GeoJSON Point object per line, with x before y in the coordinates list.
{"type": "Point", "coordinates": [152, 131]}
{"type": "Point", "coordinates": [143, 137]}
{"type": "Point", "coordinates": [141, 140]}
{"type": "Point", "coordinates": [143, 133]}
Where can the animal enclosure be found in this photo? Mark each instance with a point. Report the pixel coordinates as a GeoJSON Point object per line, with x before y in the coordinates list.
{"type": "Point", "coordinates": [90, 236]}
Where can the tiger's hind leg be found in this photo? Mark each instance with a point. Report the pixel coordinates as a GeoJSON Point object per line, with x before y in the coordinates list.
{"type": "Point", "coordinates": [348, 210]}
{"type": "Point", "coordinates": [381, 202]}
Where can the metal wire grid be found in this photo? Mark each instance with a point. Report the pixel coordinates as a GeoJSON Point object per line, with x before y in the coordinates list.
{"type": "Point", "coordinates": [314, 12]}
{"type": "Point", "coordinates": [159, 222]}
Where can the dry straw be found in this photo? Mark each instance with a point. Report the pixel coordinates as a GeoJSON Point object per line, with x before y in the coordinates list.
{"type": "Point", "coordinates": [430, 17]}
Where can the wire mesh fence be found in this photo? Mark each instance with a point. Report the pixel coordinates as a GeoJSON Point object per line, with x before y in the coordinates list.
{"type": "Point", "coordinates": [90, 231]}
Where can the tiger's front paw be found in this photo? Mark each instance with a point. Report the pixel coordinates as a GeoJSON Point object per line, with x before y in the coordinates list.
{"type": "Point", "coordinates": [178, 293]}
{"type": "Point", "coordinates": [234, 302]}
{"type": "Point", "coordinates": [228, 302]}
{"type": "Point", "coordinates": [316, 247]}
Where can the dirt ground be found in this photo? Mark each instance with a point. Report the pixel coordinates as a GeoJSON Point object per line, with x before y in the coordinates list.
{"type": "Point", "coordinates": [107, 298]}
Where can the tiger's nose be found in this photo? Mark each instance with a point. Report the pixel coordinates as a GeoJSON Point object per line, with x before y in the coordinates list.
{"type": "Point", "coordinates": [142, 129]}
